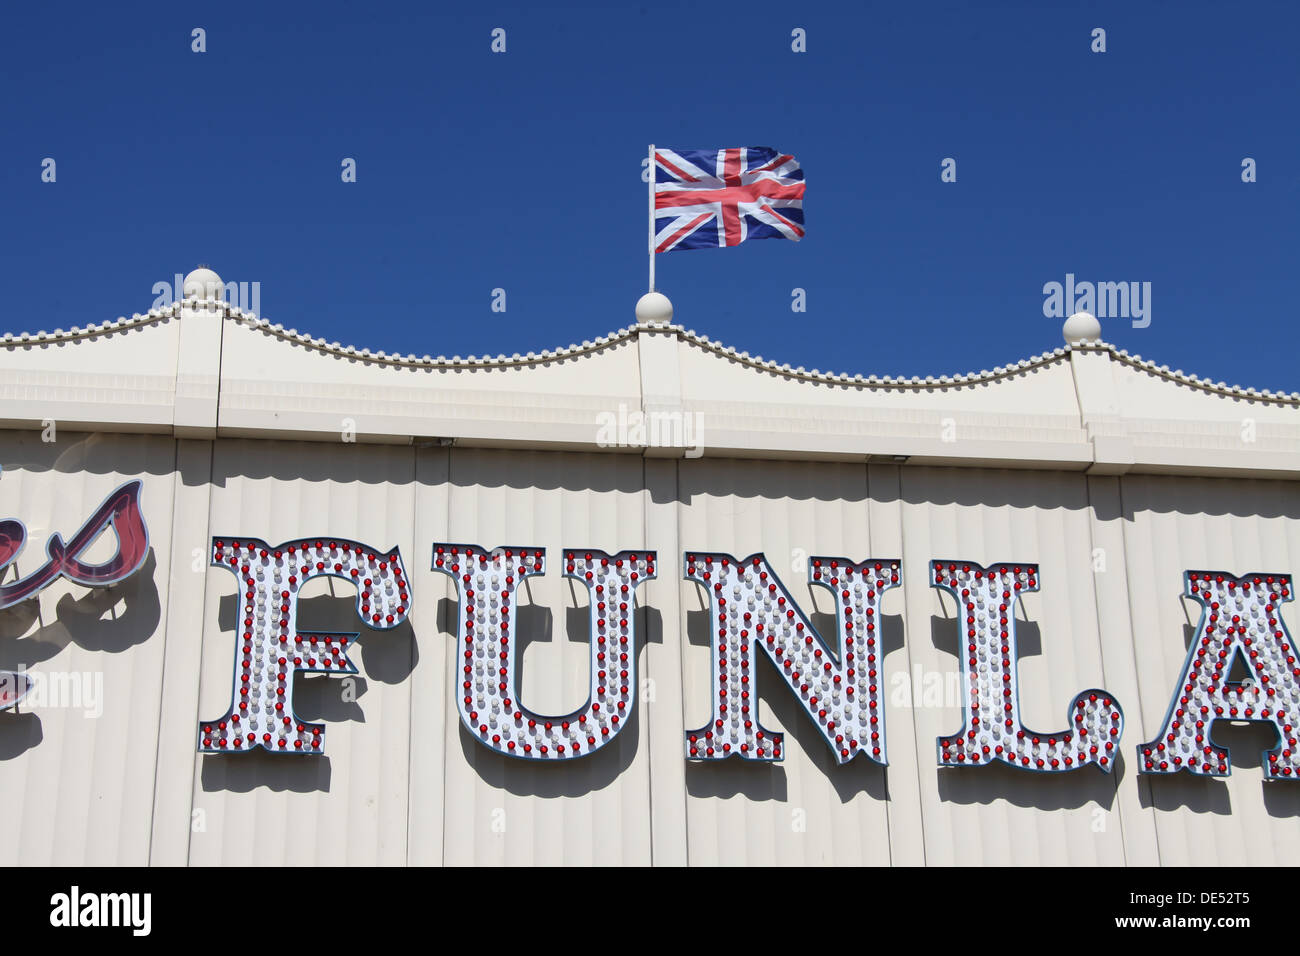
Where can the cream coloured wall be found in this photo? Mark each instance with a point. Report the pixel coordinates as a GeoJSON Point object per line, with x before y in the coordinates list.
{"type": "Point", "coordinates": [403, 783]}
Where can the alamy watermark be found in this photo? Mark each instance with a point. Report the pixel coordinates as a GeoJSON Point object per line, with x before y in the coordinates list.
{"type": "Point", "coordinates": [925, 689]}
{"type": "Point", "coordinates": [245, 296]}
{"type": "Point", "coordinates": [77, 908]}
{"type": "Point", "coordinates": [48, 690]}
{"type": "Point", "coordinates": [1105, 300]}
{"type": "Point", "coordinates": [637, 429]}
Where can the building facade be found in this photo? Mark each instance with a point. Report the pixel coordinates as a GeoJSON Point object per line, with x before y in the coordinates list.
{"type": "Point", "coordinates": [1109, 475]}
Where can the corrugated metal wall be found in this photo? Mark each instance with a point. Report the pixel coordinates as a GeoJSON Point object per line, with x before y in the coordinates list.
{"type": "Point", "coordinates": [402, 783]}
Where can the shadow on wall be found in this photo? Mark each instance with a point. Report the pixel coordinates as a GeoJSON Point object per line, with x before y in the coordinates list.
{"type": "Point", "coordinates": [96, 454]}
{"type": "Point", "coordinates": [19, 732]}
{"type": "Point", "coordinates": [1046, 791]}
{"type": "Point", "coordinates": [1246, 742]}
{"type": "Point", "coordinates": [387, 657]}
{"type": "Point", "coordinates": [742, 479]}
{"type": "Point", "coordinates": [91, 622]}
{"type": "Point", "coordinates": [344, 463]}
{"type": "Point", "coordinates": [243, 773]}
{"type": "Point", "coordinates": [529, 778]}
{"type": "Point", "coordinates": [1242, 497]}
{"type": "Point", "coordinates": [754, 479]}
{"type": "Point", "coordinates": [341, 462]}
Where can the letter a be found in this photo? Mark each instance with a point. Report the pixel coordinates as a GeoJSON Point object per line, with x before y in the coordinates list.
{"type": "Point", "coordinates": [1239, 617]}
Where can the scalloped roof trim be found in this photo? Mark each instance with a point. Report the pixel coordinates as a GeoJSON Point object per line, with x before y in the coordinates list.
{"type": "Point", "coordinates": [11, 339]}
{"type": "Point", "coordinates": [121, 324]}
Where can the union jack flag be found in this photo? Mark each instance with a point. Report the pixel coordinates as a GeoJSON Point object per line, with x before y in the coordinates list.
{"type": "Point", "coordinates": [721, 197]}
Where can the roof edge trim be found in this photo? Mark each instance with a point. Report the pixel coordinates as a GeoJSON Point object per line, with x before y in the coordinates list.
{"type": "Point", "coordinates": [11, 340]}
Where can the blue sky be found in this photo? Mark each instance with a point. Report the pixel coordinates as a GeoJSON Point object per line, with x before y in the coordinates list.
{"type": "Point", "coordinates": [521, 171]}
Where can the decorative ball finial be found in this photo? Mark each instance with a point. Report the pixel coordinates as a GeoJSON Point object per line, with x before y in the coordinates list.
{"type": "Point", "coordinates": [203, 283]}
{"type": "Point", "coordinates": [1081, 327]}
{"type": "Point", "coordinates": [653, 308]}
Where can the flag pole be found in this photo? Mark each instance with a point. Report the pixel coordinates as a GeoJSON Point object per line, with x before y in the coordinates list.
{"type": "Point", "coordinates": [652, 217]}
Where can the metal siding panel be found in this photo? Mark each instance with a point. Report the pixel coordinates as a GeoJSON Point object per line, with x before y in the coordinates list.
{"type": "Point", "coordinates": [386, 795]}
{"type": "Point", "coordinates": [996, 815]}
{"type": "Point", "coordinates": [273, 809]}
{"type": "Point", "coordinates": [1180, 524]}
{"type": "Point", "coordinates": [909, 761]}
{"type": "Point", "coordinates": [665, 656]}
{"type": "Point", "coordinates": [745, 813]}
{"type": "Point", "coordinates": [1115, 622]}
{"type": "Point", "coordinates": [173, 819]}
{"type": "Point", "coordinates": [502, 810]}
{"type": "Point", "coordinates": [432, 678]}
{"type": "Point", "coordinates": [79, 788]}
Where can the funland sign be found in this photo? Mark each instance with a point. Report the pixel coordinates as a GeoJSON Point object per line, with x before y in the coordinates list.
{"type": "Point", "coordinates": [836, 682]}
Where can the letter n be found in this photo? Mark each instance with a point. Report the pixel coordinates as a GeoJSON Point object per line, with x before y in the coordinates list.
{"type": "Point", "coordinates": [1240, 617]}
{"type": "Point", "coordinates": [838, 686]}
{"type": "Point", "coordinates": [986, 599]}
{"type": "Point", "coordinates": [487, 585]}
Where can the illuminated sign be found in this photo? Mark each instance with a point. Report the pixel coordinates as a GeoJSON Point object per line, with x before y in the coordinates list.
{"type": "Point", "coordinates": [488, 702]}
{"type": "Point", "coordinates": [271, 649]}
{"type": "Point", "coordinates": [840, 693]}
{"type": "Point", "coordinates": [120, 512]}
{"type": "Point", "coordinates": [835, 678]}
{"type": "Point", "coordinates": [986, 599]}
{"type": "Point", "coordinates": [1240, 620]}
